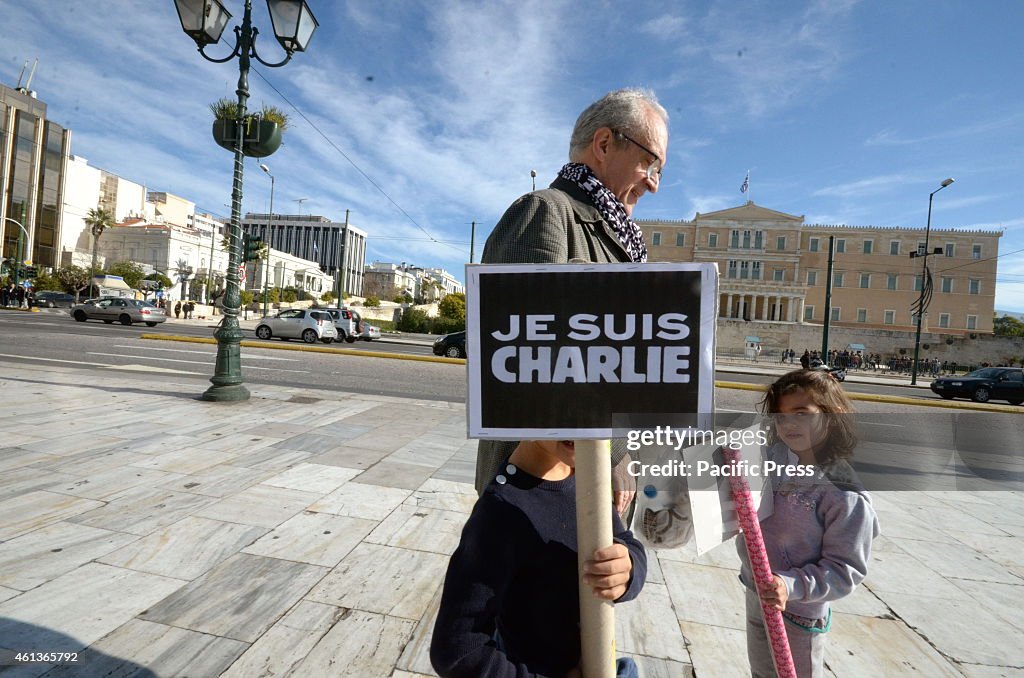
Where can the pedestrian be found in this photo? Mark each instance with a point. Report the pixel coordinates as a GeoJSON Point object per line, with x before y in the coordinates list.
{"type": "Point", "coordinates": [819, 535]}
{"type": "Point", "coordinates": [785, 354]}
{"type": "Point", "coordinates": [190, 306]}
{"type": "Point", "coordinates": [4, 296]}
{"type": "Point", "coordinates": [19, 295]}
{"type": "Point", "coordinates": [510, 602]}
{"type": "Point", "coordinates": [177, 310]}
{"type": "Point", "coordinates": [757, 352]}
{"type": "Point", "coordinates": [617, 151]}
{"type": "Point", "coordinates": [805, 360]}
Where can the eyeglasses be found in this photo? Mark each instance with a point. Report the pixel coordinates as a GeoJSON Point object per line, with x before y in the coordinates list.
{"type": "Point", "coordinates": [654, 169]}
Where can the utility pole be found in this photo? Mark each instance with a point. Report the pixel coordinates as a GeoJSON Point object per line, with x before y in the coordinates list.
{"type": "Point", "coordinates": [472, 241]}
{"type": "Point", "coordinates": [828, 298]}
{"type": "Point", "coordinates": [340, 283]}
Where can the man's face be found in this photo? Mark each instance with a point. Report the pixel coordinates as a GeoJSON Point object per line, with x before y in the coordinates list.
{"type": "Point", "coordinates": [625, 170]}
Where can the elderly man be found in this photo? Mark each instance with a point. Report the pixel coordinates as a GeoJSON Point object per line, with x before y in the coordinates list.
{"type": "Point", "coordinates": [616, 155]}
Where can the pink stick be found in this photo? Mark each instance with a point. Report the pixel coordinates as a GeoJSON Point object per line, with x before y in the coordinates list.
{"type": "Point", "coordinates": [759, 565]}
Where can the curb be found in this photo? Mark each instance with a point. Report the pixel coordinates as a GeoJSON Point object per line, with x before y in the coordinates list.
{"type": "Point", "coordinates": [309, 348]}
{"type": "Point", "coordinates": [34, 309]}
{"type": "Point", "coordinates": [897, 400]}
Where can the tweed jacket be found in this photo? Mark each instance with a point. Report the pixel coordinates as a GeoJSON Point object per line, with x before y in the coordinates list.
{"type": "Point", "coordinates": [555, 225]}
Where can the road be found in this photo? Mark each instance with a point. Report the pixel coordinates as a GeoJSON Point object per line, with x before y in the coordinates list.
{"type": "Point", "coordinates": [903, 446]}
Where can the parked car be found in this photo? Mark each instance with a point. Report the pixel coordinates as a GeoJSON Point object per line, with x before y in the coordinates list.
{"type": "Point", "coordinates": [123, 310]}
{"type": "Point", "coordinates": [53, 299]}
{"type": "Point", "coordinates": [981, 386]}
{"type": "Point", "coordinates": [837, 373]}
{"type": "Point", "coordinates": [345, 322]}
{"type": "Point", "coordinates": [370, 332]}
{"type": "Point", "coordinates": [451, 345]}
{"type": "Point", "coordinates": [295, 323]}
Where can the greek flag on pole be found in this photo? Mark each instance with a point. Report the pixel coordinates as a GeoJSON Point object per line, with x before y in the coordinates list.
{"type": "Point", "coordinates": [746, 184]}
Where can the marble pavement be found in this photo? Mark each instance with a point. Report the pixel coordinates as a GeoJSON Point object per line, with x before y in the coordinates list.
{"type": "Point", "coordinates": [306, 533]}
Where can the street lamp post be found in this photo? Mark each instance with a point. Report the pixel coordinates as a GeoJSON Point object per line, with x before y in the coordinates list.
{"type": "Point", "coordinates": [266, 241]}
{"type": "Point", "coordinates": [21, 247]}
{"type": "Point", "coordinates": [925, 297]}
{"type": "Point", "coordinates": [533, 176]}
{"type": "Point", "coordinates": [204, 21]}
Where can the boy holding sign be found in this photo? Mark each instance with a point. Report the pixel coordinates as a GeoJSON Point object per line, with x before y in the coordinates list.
{"type": "Point", "coordinates": [510, 605]}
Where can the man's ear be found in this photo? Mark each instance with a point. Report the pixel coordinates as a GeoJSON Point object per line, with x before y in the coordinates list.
{"type": "Point", "coordinates": [602, 142]}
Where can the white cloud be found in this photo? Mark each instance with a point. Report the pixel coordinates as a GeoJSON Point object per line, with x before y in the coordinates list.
{"type": "Point", "coordinates": [890, 137]}
{"type": "Point", "coordinates": [870, 186]}
{"type": "Point", "coordinates": [666, 27]}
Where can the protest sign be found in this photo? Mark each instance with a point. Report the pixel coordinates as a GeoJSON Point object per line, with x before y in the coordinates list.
{"type": "Point", "coordinates": [558, 351]}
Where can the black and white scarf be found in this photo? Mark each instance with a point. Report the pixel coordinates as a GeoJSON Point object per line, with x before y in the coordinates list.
{"type": "Point", "coordinates": [610, 208]}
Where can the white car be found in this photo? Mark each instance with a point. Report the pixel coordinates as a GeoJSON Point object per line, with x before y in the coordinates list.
{"type": "Point", "coordinates": [370, 332]}
{"type": "Point", "coordinates": [295, 323]}
{"type": "Point", "coordinates": [346, 322]}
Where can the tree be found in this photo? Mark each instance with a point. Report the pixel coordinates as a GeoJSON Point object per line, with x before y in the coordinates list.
{"type": "Point", "coordinates": [247, 297]}
{"type": "Point", "coordinates": [453, 306]}
{"type": "Point", "coordinates": [290, 295]}
{"type": "Point", "coordinates": [98, 220]}
{"type": "Point", "coordinates": [1007, 326]}
{"type": "Point", "coordinates": [46, 281]}
{"type": "Point", "coordinates": [327, 297]}
{"type": "Point", "coordinates": [132, 273]}
{"type": "Point", "coordinates": [371, 302]}
{"type": "Point", "coordinates": [73, 279]}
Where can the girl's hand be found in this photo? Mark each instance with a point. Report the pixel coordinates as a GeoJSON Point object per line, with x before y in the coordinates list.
{"type": "Point", "coordinates": [608, 573]}
{"type": "Point", "coordinates": [775, 594]}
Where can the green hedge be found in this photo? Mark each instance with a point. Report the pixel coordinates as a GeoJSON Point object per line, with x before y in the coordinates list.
{"type": "Point", "coordinates": [415, 320]}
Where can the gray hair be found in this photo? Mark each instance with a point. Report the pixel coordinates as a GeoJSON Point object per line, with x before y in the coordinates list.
{"type": "Point", "coordinates": [624, 110]}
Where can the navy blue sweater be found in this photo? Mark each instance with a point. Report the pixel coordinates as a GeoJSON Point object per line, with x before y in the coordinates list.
{"type": "Point", "coordinates": [515, 570]}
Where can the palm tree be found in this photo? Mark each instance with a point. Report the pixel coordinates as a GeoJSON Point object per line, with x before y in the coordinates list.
{"type": "Point", "coordinates": [98, 220]}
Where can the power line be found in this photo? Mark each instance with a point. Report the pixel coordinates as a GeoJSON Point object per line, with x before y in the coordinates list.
{"type": "Point", "coordinates": [350, 161]}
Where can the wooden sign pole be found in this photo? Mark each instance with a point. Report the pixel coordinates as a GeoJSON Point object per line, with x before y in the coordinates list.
{"type": "Point", "coordinates": [594, 531]}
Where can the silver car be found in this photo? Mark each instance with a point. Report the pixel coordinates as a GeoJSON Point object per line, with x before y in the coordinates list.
{"type": "Point", "coordinates": [295, 323]}
{"type": "Point", "coordinates": [123, 310]}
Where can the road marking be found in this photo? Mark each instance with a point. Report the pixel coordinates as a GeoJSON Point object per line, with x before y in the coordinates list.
{"type": "Point", "coordinates": [107, 366]}
{"type": "Point", "coordinates": [209, 353]}
{"type": "Point", "coordinates": [52, 360]}
{"type": "Point", "coordinates": [192, 362]}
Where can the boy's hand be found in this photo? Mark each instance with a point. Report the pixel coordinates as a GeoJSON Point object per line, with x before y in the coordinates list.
{"type": "Point", "coordinates": [608, 573]}
{"type": "Point", "coordinates": [775, 594]}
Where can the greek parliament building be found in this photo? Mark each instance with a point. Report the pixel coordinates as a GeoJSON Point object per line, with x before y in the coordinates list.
{"type": "Point", "coordinates": [314, 238]}
{"type": "Point", "coordinates": [33, 160]}
{"type": "Point", "coordinates": [773, 267]}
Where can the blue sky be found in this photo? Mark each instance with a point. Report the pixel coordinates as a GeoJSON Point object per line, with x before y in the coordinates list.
{"type": "Point", "coordinates": [845, 112]}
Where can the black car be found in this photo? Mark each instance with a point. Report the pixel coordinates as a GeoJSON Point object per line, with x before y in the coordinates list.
{"type": "Point", "coordinates": [51, 299]}
{"type": "Point", "coordinates": [451, 345]}
{"type": "Point", "coordinates": [981, 386]}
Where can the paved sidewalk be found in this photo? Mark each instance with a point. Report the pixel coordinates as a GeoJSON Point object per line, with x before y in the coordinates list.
{"type": "Point", "coordinates": [306, 533]}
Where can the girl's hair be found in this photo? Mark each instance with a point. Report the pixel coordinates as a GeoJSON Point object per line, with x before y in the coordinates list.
{"type": "Point", "coordinates": [830, 398]}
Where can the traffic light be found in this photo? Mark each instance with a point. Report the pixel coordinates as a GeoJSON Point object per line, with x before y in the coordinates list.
{"type": "Point", "coordinates": [252, 248]}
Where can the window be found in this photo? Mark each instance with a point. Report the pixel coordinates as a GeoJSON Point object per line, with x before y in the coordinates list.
{"type": "Point", "coordinates": [890, 318]}
{"type": "Point", "coordinates": [947, 285]}
{"type": "Point", "coordinates": [680, 239]}
{"type": "Point", "coordinates": [865, 281]}
{"type": "Point", "coordinates": [894, 248]}
{"type": "Point", "coordinates": [975, 251]}
{"type": "Point", "coordinates": [656, 238]}
{"type": "Point", "coordinates": [732, 268]}
{"type": "Point", "coordinates": [746, 240]}
{"type": "Point", "coordinates": [712, 240]}
{"type": "Point", "coordinates": [778, 275]}
{"type": "Point", "coordinates": [812, 278]}
{"type": "Point", "coordinates": [917, 283]}
{"type": "Point", "coordinates": [835, 313]}
{"type": "Point", "coordinates": [840, 245]}
{"type": "Point", "coordinates": [950, 249]}
{"type": "Point", "coordinates": [755, 270]}
{"type": "Point", "coordinates": [758, 240]}
{"type": "Point", "coordinates": [920, 248]}
{"type": "Point", "coordinates": [869, 246]}
{"type": "Point", "coordinates": [837, 279]}
{"type": "Point", "coordinates": [734, 239]}
{"type": "Point", "coordinates": [972, 322]}
{"type": "Point", "coordinates": [808, 313]}
{"type": "Point", "coordinates": [974, 286]}
{"type": "Point", "coordinates": [780, 242]}
{"type": "Point", "coordinates": [862, 315]}
{"type": "Point", "coordinates": [813, 247]}
{"type": "Point", "coordinates": [744, 270]}
{"type": "Point", "coordinates": [943, 320]}
{"type": "Point", "coordinates": [890, 283]}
